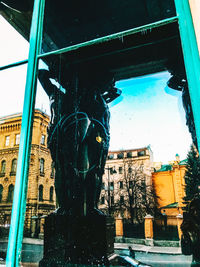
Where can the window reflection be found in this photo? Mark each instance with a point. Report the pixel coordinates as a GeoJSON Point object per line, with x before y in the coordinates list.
{"type": "Point", "coordinates": [13, 167]}
{"type": "Point", "coordinates": [3, 168]}
{"type": "Point", "coordinates": [41, 193]}
{"type": "Point", "coordinates": [10, 193]}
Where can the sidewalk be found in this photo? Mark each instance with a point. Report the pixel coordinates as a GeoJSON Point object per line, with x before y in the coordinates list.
{"type": "Point", "coordinates": [149, 249]}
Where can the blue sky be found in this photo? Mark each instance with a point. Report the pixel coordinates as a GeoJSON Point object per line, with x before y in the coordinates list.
{"type": "Point", "coordinates": [148, 112]}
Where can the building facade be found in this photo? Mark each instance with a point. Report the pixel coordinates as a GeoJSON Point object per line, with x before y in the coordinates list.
{"type": "Point", "coordinates": [41, 198]}
{"type": "Point", "coordinates": [169, 185]}
{"type": "Point", "coordinates": [126, 171]}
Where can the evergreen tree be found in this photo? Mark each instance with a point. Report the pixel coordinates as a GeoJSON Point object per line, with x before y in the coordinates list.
{"type": "Point", "coordinates": [192, 175]}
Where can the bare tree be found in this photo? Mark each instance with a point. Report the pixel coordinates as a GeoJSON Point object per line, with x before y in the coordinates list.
{"type": "Point", "coordinates": [137, 195]}
{"type": "Point", "coordinates": [108, 194]}
{"type": "Point", "coordinates": [129, 190]}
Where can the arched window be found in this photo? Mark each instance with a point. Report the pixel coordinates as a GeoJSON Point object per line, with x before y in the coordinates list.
{"type": "Point", "coordinates": [51, 194]}
{"type": "Point", "coordinates": [41, 193]}
{"type": "Point", "coordinates": [52, 170]}
{"type": "Point", "coordinates": [1, 192]}
{"type": "Point", "coordinates": [13, 167]}
{"type": "Point", "coordinates": [10, 193]}
{"type": "Point", "coordinates": [3, 168]}
{"type": "Point", "coordinates": [42, 166]}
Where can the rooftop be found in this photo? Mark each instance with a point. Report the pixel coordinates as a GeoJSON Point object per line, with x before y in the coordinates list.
{"type": "Point", "coordinates": [19, 114]}
{"type": "Point", "coordinates": [170, 206]}
{"type": "Point", "coordinates": [169, 167]}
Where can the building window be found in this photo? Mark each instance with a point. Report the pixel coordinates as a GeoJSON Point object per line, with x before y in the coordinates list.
{"type": "Point", "coordinates": [129, 154]}
{"type": "Point", "coordinates": [51, 194]}
{"type": "Point", "coordinates": [52, 170]}
{"type": "Point", "coordinates": [1, 192]}
{"type": "Point", "coordinates": [10, 193]}
{"type": "Point", "coordinates": [130, 184]}
{"type": "Point", "coordinates": [13, 167]}
{"type": "Point", "coordinates": [3, 168]}
{"type": "Point", "coordinates": [7, 219]}
{"type": "Point", "coordinates": [7, 141]}
{"type": "Point", "coordinates": [42, 140]}
{"type": "Point", "coordinates": [111, 186]}
{"type": "Point", "coordinates": [17, 139]}
{"type": "Point", "coordinates": [121, 185]}
{"type": "Point", "coordinates": [42, 167]}
{"type": "Point", "coordinates": [111, 156]}
{"type": "Point", "coordinates": [129, 170]}
{"type": "Point", "coordinates": [141, 153]}
{"type": "Point", "coordinates": [103, 186]}
{"type": "Point", "coordinates": [120, 155]}
{"type": "Point", "coordinates": [41, 193]}
{"type": "Point", "coordinates": [121, 199]}
{"type": "Point", "coordinates": [120, 170]}
{"type": "Point", "coordinates": [102, 200]}
{"type": "Point", "coordinates": [111, 170]}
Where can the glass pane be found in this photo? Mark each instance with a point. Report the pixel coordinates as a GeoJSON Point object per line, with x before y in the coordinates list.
{"type": "Point", "coordinates": [148, 125]}
{"type": "Point", "coordinates": [148, 140]}
{"type": "Point", "coordinates": [147, 108]}
{"type": "Point", "coordinates": [10, 51]}
{"type": "Point", "coordinates": [13, 48]}
{"type": "Point", "coordinates": [78, 22]}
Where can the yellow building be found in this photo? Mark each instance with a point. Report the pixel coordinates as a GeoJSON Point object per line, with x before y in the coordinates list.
{"type": "Point", "coordinates": [169, 184]}
{"type": "Point", "coordinates": [41, 196]}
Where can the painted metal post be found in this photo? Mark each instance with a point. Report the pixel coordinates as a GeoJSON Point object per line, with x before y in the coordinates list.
{"type": "Point", "coordinates": [21, 183]}
{"type": "Point", "coordinates": [191, 58]}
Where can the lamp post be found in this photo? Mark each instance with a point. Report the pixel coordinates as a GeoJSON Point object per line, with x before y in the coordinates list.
{"type": "Point", "coordinates": [199, 190]}
{"type": "Point", "coordinates": [109, 198]}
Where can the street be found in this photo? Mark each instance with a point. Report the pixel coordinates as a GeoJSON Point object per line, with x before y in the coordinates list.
{"type": "Point", "coordinates": [160, 260]}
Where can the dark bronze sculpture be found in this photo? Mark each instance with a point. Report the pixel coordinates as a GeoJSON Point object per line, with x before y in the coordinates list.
{"type": "Point", "coordinates": [78, 134]}
{"type": "Point", "coordinates": [178, 81]}
{"type": "Point", "coordinates": [22, 5]}
{"type": "Point", "coordinates": [190, 241]}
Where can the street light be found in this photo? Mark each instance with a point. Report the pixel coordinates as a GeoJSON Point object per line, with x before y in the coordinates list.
{"type": "Point", "coordinates": [198, 190]}
{"type": "Point", "coordinates": [109, 198]}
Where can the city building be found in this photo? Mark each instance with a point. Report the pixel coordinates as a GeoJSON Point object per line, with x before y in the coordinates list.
{"type": "Point", "coordinates": [41, 198]}
{"type": "Point", "coordinates": [126, 171]}
{"type": "Point", "coordinates": [169, 184]}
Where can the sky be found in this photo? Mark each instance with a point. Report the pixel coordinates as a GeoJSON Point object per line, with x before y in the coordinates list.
{"type": "Point", "coordinates": [147, 112]}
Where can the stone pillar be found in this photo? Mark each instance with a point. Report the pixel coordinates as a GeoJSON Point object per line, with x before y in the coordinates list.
{"type": "Point", "coordinates": [148, 229]}
{"type": "Point", "coordinates": [42, 221]}
{"type": "Point", "coordinates": [33, 227]}
{"type": "Point", "coordinates": [119, 231]}
{"type": "Point", "coordinates": [179, 222]}
{"type": "Point", "coordinates": [70, 240]}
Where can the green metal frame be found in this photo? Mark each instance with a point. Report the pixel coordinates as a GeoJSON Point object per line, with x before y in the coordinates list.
{"type": "Point", "coordinates": [192, 64]}
{"type": "Point", "coordinates": [191, 58]}
{"type": "Point", "coordinates": [103, 39]}
{"type": "Point", "coordinates": [20, 193]}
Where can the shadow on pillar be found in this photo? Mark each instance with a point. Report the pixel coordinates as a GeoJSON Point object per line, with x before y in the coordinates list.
{"type": "Point", "coordinates": [81, 240]}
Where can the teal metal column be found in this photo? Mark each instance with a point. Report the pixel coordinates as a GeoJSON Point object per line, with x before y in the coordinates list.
{"type": "Point", "coordinates": [191, 58]}
{"type": "Point", "coordinates": [19, 202]}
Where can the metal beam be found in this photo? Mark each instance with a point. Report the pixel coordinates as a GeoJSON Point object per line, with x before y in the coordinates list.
{"type": "Point", "coordinates": [191, 58]}
{"type": "Point", "coordinates": [101, 40]}
{"type": "Point", "coordinates": [21, 183]}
